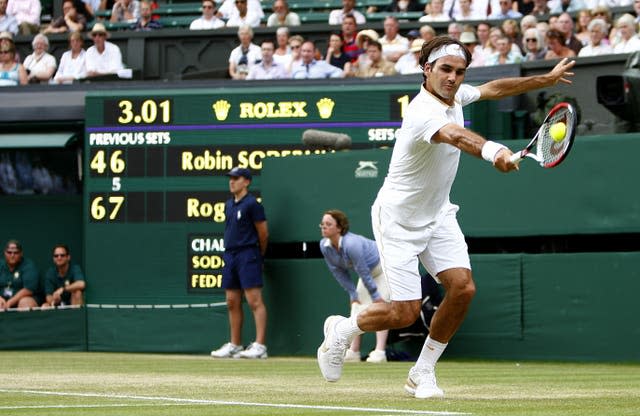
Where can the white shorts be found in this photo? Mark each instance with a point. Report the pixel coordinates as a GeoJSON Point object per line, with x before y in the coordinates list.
{"type": "Point", "coordinates": [363, 294]}
{"type": "Point", "coordinates": [439, 246]}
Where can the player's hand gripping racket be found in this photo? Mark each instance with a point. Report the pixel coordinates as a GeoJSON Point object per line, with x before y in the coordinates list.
{"type": "Point", "coordinates": [549, 148]}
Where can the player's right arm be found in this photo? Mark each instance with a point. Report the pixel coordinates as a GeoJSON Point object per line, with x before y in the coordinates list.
{"type": "Point", "coordinates": [472, 143]}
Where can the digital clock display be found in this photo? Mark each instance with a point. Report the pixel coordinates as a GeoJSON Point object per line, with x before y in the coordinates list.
{"type": "Point", "coordinates": [138, 111]}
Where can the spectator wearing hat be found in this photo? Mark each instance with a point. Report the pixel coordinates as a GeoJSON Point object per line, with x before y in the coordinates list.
{"type": "Point", "coordinates": [245, 239]}
{"type": "Point", "coordinates": [362, 40]}
{"type": "Point", "coordinates": [40, 65]}
{"type": "Point", "coordinates": [409, 62]}
{"type": "Point", "coordinates": [6, 38]}
{"type": "Point", "coordinates": [209, 19]}
{"type": "Point", "coordinates": [412, 34]}
{"type": "Point", "coordinates": [282, 16]}
{"type": "Point", "coordinates": [19, 279]}
{"type": "Point", "coordinates": [378, 65]}
{"type": "Point", "coordinates": [8, 23]}
{"type": "Point", "coordinates": [348, 9]}
{"type": "Point", "coordinates": [27, 14]}
{"type": "Point", "coordinates": [103, 57]}
{"type": "Point", "coordinates": [469, 40]}
{"type": "Point", "coordinates": [393, 44]}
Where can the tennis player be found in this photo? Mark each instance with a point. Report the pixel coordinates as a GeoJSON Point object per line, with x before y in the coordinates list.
{"type": "Point", "coordinates": [413, 218]}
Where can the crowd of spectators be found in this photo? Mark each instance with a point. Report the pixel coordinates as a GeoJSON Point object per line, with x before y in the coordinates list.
{"type": "Point", "coordinates": [495, 31]}
{"type": "Point", "coordinates": [516, 31]}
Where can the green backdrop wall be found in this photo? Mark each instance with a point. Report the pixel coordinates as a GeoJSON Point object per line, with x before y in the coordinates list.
{"type": "Point", "coordinates": [548, 306]}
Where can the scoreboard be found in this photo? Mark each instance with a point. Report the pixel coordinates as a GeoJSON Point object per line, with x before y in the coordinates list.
{"type": "Point", "coordinates": [155, 165]}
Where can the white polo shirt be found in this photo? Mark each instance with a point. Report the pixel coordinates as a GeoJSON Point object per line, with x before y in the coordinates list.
{"type": "Point", "coordinates": [107, 62]}
{"type": "Point", "coordinates": [416, 189]}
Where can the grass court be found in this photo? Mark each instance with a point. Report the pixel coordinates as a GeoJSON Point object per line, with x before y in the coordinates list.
{"type": "Point", "coordinates": [79, 383]}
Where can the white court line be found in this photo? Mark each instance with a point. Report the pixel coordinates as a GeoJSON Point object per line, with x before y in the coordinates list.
{"type": "Point", "coordinates": [234, 403]}
{"type": "Point", "coordinates": [92, 406]}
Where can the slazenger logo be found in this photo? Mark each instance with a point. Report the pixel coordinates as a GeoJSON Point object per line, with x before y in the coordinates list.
{"type": "Point", "coordinates": [366, 169]}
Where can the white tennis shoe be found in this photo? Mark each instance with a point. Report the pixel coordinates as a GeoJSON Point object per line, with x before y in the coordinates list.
{"type": "Point", "coordinates": [421, 383]}
{"type": "Point", "coordinates": [228, 350]}
{"type": "Point", "coordinates": [332, 350]}
{"type": "Point", "coordinates": [255, 350]}
{"type": "Point", "coordinates": [377, 356]}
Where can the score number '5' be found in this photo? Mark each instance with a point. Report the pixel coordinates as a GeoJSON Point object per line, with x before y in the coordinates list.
{"type": "Point", "coordinates": [116, 165]}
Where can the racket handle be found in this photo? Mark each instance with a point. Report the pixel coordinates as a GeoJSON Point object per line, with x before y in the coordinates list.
{"type": "Point", "coordinates": [516, 157]}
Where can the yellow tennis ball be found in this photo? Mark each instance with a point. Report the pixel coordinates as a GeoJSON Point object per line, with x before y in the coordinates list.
{"type": "Point", "coordinates": [557, 131]}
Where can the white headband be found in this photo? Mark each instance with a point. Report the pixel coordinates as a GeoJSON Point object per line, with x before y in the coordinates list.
{"type": "Point", "coordinates": [447, 50]}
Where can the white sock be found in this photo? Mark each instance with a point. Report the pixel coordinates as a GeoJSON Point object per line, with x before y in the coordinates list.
{"type": "Point", "coordinates": [431, 352]}
{"type": "Point", "coordinates": [348, 328]}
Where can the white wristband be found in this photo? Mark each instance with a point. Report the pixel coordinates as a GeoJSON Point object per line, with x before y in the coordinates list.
{"type": "Point", "coordinates": [490, 150]}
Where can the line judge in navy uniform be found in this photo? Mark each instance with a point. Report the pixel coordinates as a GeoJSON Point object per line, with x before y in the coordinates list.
{"type": "Point", "coordinates": [245, 240]}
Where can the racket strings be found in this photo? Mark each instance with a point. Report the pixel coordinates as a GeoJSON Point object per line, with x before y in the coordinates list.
{"type": "Point", "coordinates": [550, 151]}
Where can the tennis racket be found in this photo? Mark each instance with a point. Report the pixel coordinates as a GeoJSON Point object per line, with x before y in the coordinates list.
{"type": "Point", "coordinates": [543, 148]}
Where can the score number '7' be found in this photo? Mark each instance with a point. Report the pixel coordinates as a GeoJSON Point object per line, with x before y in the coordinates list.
{"type": "Point", "coordinates": [99, 211]}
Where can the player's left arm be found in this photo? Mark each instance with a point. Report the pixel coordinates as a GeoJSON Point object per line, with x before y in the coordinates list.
{"type": "Point", "coordinates": [507, 87]}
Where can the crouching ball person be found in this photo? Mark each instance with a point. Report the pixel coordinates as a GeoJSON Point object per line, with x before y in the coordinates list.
{"type": "Point", "coordinates": [245, 241]}
{"type": "Point", "coordinates": [412, 217]}
{"type": "Point", "coordinates": [345, 251]}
